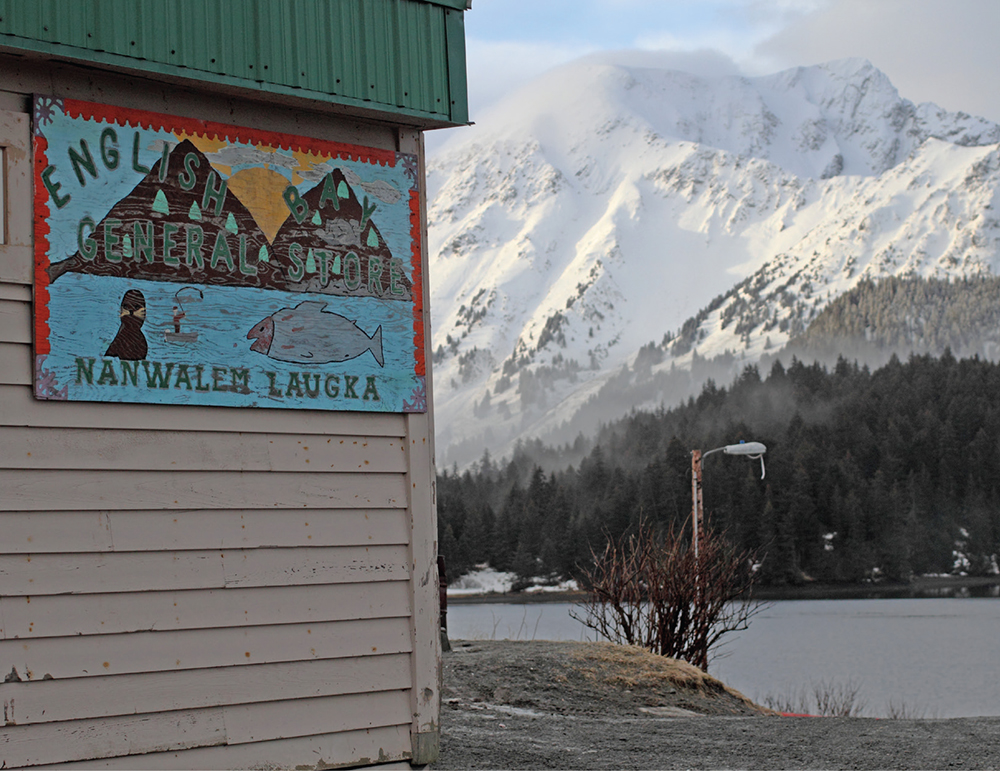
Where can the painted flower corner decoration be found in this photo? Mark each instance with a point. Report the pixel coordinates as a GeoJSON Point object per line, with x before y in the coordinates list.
{"type": "Point", "coordinates": [46, 386]}
{"type": "Point", "coordinates": [419, 397]}
{"type": "Point", "coordinates": [45, 108]}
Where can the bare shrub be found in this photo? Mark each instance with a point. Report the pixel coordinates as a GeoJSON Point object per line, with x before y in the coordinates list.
{"type": "Point", "coordinates": [900, 710]}
{"type": "Point", "coordinates": [796, 703]}
{"type": "Point", "coordinates": [839, 699]}
{"type": "Point", "coordinates": [825, 699]}
{"type": "Point", "coordinates": [653, 592]}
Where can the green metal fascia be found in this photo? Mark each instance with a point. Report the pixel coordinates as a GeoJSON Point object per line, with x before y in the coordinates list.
{"type": "Point", "coordinates": [458, 5]}
{"type": "Point", "coordinates": [397, 58]}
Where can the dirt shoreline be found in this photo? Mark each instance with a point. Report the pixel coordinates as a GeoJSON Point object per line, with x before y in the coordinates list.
{"type": "Point", "coordinates": [576, 705]}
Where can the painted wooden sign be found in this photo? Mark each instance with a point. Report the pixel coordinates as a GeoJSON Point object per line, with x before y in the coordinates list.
{"type": "Point", "coordinates": [185, 262]}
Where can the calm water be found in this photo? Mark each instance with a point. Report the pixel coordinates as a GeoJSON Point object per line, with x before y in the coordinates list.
{"type": "Point", "coordinates": [936, 656]}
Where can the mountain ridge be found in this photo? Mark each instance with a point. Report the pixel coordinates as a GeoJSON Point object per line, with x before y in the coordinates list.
{"type": "Point", "coordinates": [602, 208]}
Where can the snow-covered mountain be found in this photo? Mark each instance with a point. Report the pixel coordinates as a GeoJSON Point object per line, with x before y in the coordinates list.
{"type": "Point", "coordinates": [608, 213]}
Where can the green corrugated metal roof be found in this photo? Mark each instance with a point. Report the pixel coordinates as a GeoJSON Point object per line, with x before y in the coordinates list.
{"type": "Point", "coordinates": [458, 5]}
{"type": "Point", "coordinates": [404, 58]}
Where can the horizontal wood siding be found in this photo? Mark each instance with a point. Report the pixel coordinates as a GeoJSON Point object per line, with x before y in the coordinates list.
{"type": "Point", "coordinates": [15, 364]}
{"type": "Point", "coordinates": [146, 450]}
{"type": "Point", "coordinates": [56, 532]}
{"type": "Point", "coordinates": [82, 698]}
{"type": "Point", "coordinates": [166, 651]}
{"type": "Point", "coordinates": [35, 574]}
{"type": "Point", "coordinates": [15, 264]}
{"type": "Point", "coordinates": [182, 729]}
{"type": "Point", "coordinates": [15, 292]}
{"type": "Point", "coordinates": [33, 490]}
{"type": "Point", "coordinates": [15, 321]}
{"type": "Point", "coordinates": [19, 408]}
{"type": "Point", "coordinates": [65, 615]}
{"type": "Point", "coordinates": [195, 587]}
{"type": "Point", "coordinates": [372, 745]}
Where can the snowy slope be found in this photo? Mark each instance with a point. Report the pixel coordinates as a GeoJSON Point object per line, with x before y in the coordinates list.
{"type": "Point", "coordinates": [603, 206]}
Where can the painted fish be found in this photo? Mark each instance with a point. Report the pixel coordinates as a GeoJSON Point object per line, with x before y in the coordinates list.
{"type": "Point", "coordinates": [306, 334]}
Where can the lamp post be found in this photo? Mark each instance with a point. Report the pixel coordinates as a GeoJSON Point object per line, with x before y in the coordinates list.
{"type": "Point", "coordinates": [752, 449]}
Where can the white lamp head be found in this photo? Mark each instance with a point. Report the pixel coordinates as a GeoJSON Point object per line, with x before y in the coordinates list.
{"type": "Point", "coordinates": [745, 448]}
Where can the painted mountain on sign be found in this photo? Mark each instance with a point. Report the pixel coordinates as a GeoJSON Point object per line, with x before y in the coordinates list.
{"type": "Point", "coordinates": [179, 224]}
{"type": "Point", "coordinates": [331, 245]}
{"type": "Point", "coordinates": [183, 224]}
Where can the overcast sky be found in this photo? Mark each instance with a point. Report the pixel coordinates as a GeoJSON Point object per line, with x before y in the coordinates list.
{"type": "Point", "coordinates": [942, 51]}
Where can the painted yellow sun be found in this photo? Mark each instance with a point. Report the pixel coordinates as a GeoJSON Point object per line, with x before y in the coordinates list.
{"type": "Point", "coordinates": [260, 190]}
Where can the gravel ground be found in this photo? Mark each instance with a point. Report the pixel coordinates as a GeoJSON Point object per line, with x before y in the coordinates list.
{"type": "Point", "coordinates": [592, 705]}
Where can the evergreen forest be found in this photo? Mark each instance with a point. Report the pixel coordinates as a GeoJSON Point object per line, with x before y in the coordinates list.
{"type": "Point", "coordinates": [870, 475]}
{"type": "Point", "coordinates": [904, 315]}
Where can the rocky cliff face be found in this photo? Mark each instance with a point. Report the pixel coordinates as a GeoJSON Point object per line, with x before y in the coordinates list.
{"type": "Point", "coordinates": [613, 223]}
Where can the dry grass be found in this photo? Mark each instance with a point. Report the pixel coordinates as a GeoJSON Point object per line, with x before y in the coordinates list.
{"type": "Point", "coordinates": [634, 668]}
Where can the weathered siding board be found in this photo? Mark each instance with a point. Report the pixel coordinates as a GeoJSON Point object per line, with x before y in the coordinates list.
{"type": "Point", "coordinates": [48, 701]}
{"type": "Point", "coordinates": [16, 292]}
{"type": "Point", "coordinates": [385, 744]}
{"type": "Point", "coordinates": [15, 255]}
{"type": "Point", "coordinates": [254, 528]}
{"type": "Point", "coordinates": [109, 737]}
{"type": "Point", "coordinates": [37, 574]}
{"type": "Point", "coordinates": [15, 321]}
{"type": "Point", "coordinates": [175, 651]}
{"type": "Point", "coordinates": [425, 624]}
{"type": "Point", "coordinates": [55, 532]}
{"type": "Point", "coordinates": [15, 364]}
{"type": "Point", "coordinates": [32, 490]}
{"type": "Point", "coordinates": [304, 717]}
{"type": "Point", "coordinates": [425, 696]}
{"type": "Point", "coordinates": [19, 408]}
{"type": "Point", "coordinates": [67, 81]}
{"type": "Point", "coordinates": [16, 265]}
{"type": "Point", "coordinates": [64, 615]}
{"type": "Point", "coordinates": [146, 450]}
{"type": "Point", "coordinates": [34, 745]}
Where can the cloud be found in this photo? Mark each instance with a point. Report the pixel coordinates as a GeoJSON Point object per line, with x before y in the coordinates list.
{"type": "Point", "coordinates": [735, 30]}
{"type": "Point", "coordinates": [509, 42]}
{"type": "Point", "coordinates": [939, 51]}
{"type": "Point", "coordinates": [496, 68]}
{"type": "Point", "coordinates": [706, 62]}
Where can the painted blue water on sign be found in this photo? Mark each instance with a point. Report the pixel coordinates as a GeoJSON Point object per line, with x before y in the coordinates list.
{"type": "Point", "coordinates": [935, 656]}
{"type": "Point", "coordinates": [213, 331]}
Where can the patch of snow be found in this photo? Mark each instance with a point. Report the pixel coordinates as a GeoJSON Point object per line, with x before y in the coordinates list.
{"type": "Point", "coordinates": [569, 585]}
{"type": "Point", "coordinates": [486, 580]}
{"type": "Point", "coordinates": [482, 580]}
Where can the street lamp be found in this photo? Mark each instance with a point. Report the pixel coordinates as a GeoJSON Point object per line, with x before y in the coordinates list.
{"type": "Point", "coordinates": [752, 449]}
